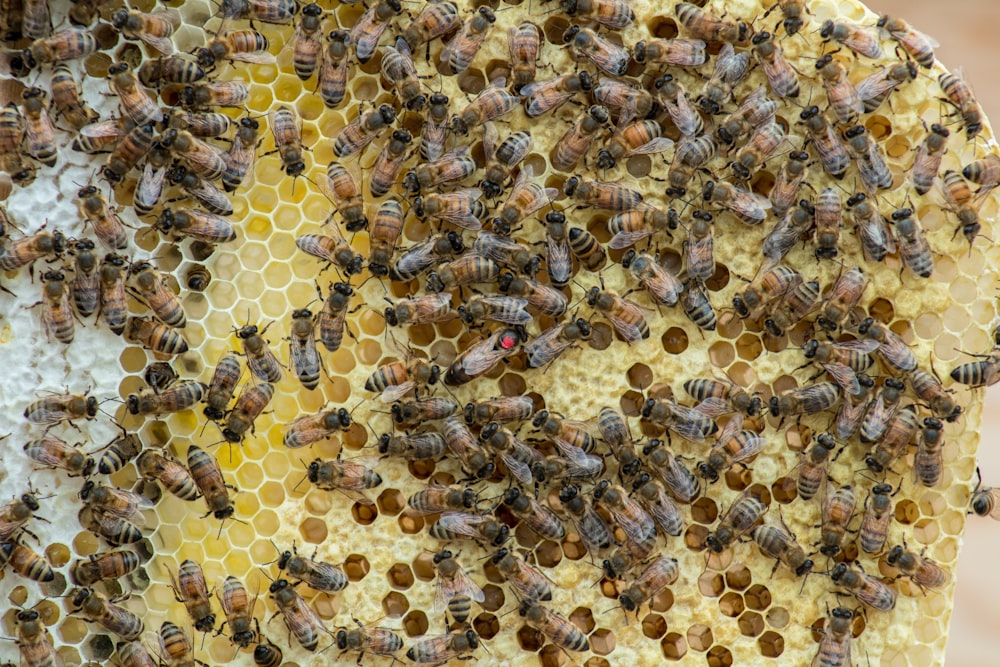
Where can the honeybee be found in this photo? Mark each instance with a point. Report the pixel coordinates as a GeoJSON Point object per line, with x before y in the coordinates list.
{"type": "Point", "coordinates": [898, 435]}
{"type": "Point", "coordinates": [640, 138]}
{"type": "Point", "coordinates": [813, 466]}
{"type": "Point", "coordinates": [134, 654]}
{"type": "Point", "coordinates": [25, 562]}
{"type": "Point", "coordinates": [765, 289]}
{"type": "Point", "coordinates": [517, 457]}
{"type": "Point", "coordinates": [590, 526]}
{"type": "Point", "coordinates": [917, 45]}
{"type": "Point", "coordinates": [128, 151]}
{"type": "Point", "coordinates": [207, 194]}
{"type": "Point", "coordinates": [419, 258]}
{"type": "Point", "coordinates": [436, 18]}
{"type": "Point", "coordinates": [119, 452]}
{"type": "Point", "coordinates": [869, 159]}
{"type": "Point", "coordinates": [652, 495]}
{"type": "Point", "coordinates": [787, 182]}
{"type": "Point", "coordinates": [505, 309]}
{"type": "Point", "coordinates": [106, 566]}
{"type": "Point", "coordinates": [914, 249]}
{"type": "Point", "coordinates": [417, 447]}
{"type": "Point", "coordinates": [807, 400]}
{"type": "Point", "coordinates": [169, 69]}
{"type": "Point", "coordinates": [703, 25]}
{"type": "Point", "coordinates": [107, 224]}
{"type": "Point", "coordinates": [876, 241]}
{"type": "Point", "coordinates": [385, 170]}
{"type": "Point", "coordinates": [159, 375]}
{"type": "Point", "coordinates": [151, 287]}
{"type": "Point", "coordinates": [454, 590]}
{"type": "Point", "coordinates": [399, 70]}
{"type": "Point", "coordinates": [302, 352]}
{"type": "Point", "coordinates": [248, 46]}
{"type": "Point", "coordinates": [178, 398]}
{"type": "Point", "coordinates": [577, 139]}
{"type": "Point", "coordinates": [843, 297]}
{"type": "Point", "coordinates": [203, 95]}
{"type": "Point", "coordinates": [316, 574]}
{"type": "Point", "coordinates": [927, 162]}
{"type": "Point", "coordinates": [730, 68]}
{"type": "Point", "coordinates": [154, 176]}
{"type": "Point", "coordinates": [524, 42]}
{"type": "Point", "coordinates": [675, 52]}
{"type": "Point", "coordinates": [39, 133]}
{"type": "Point", "coordinates": [481, 356]}
{"type": "Point", "coordinates": [928, 463]}
{"type": "Point", "coordinates": [170, 473]}
{"type": "Point", "coordinates": [697, 305]}
{"type": "Point", "coordinates": [548, 345]}
{"type": "Point", "coordinates": [558, 264]}
{"type": "Point", "coordinates": [875, 524]}
{"type": "Point", "coordinates": [761, 145]}
{"type": "Point", "coordinates": [867, 589]}
{"type": "Point", "coordinates": [461, 208]}
{"type": "Point", "coordinates": [395, 379]}
{"type": "Point", "coordinates": [308, 429]}
{"type": "Point", "coordinates": [501, 158]}
{"type": "Point", "coordinates": [876, 88]}
{"type": "Point", "coordinates": [251, 402]}
{"type": "Point", "coordinates": [110, 616]}
{"type": "Point", "coordinates": [207, 227]}
{"type": "Point", "coordinates": [959, 94]}
{"type": "Point", "coordinates": [852, 354]}
{"type": "Point", "coordinates": [455, 165]}
{"type": "Point", "coordinates": [436, 127]}
{"type": "Point", "coordinates": [57, 314]}
{"type": "Point", "coordinates": [502, 409]}
{"type": "Point", "coordinates": [220, 390]}
{"type": "Point", "coordinates": [33, 643]}
{"type": "Point", "coordinates": [332, 317]}
{"type": "Point", "coordinates": [55, 453]}
{"type": "Point", "coordinates": [260, 358]}
{"type": "Point", "coordinates": [780, 75]}
{"type": "Point", "coordinates": [615, 14]}
{"type": "Point", "coordinates": [368, 30]}
{"type": "Point", "coordinates": [268, 11]}
{"type": "Point", "coordinates": [525, 198]}
{"type": "Point", "coordinates": [154, 30]}
{"type": "Point", "coordinates": [622, 313]}
{"type": "Point", "coordinates": [155, 336]}
{"type": "Point", "coordinates": [349, 476]}
{"type": "Point", "coordinates": [857, 38]}
{"type": "Point", "coordinates": [461, 49]}
{"type": "Point", "coordinates": [238, 607]}
{"type": "Point", "coordinates": [307, 44]}
{"type": "Point", "coordinates": [837, 511]}
{"type": "Point", "coordinates": [190, 588]}
{"type": "Point", "coordinates": [928, 388]}
{"type": "Point", "coordinates": [462, 525]}
{"type": "Point", "coordinates": [882, 410]}
{"type": "Point", "coordinates": [64, 45]}
{"type": "Point", "coordinates": [779, 543]}
{"type": "Point", "coordinates": [965, 204]}
{"type": "Point", "coordinates": [738, 520]}
{"type": "Point", "coordinates": [201, 158]}
{"type": "Point", "coordinates": [717, 397]}
{"type": "Point", "coordinates": [361, 131]}
{"type": "Point", "coordinates": [207, 476]}
{"type": "Point", "coordinates": [539, 518]}
{"type": "Point", "coordinates": [891, 349]}
{"type": "Point", "coordinates": [832, 152]}
{"type": "Point", "coordinates": [440, 649]}
{"type": "Point", "coordinates": [733, 446]}
{"type": "Point", "coordinates": [301, 620]}
{"type": "Point", "coordinates": [544, 96]}
{"type": "Point", "coordinates": [663, 285]}
{"type": "Point", "coordinates": [137, 103]}
{"type": "Point", "coordinates": [377, 641]}
{"type": "Point", "coordinates": [24, 251]}
{"type": "Point", "coordinates": [491, 103]}
{"type": "Point", "coordinates": [288, 140]}
{"type": "Point", "coordinates": [794, 12]}
{"type": "Point", "coordinates": [654, 578]}
{"type": "Point", "coordinates": [628, 514]}
{"type": "Point", "coordinates": [334, 68]}
{"type": "Point", "coordinates": [748, 207]}
{"type": "Point", "coordinates": [835, 647]}
{"type": "Point", "coordinates": [982, 373]}
{"type": "Point", "coordinates": [630, 227]}
{"type": "Point", "coordinates": [554, 626]}
{"type": "Point", "coordinates": [332, 249]}
{"type": "Point", "coordinates": [175, 647]}
{"type": "Point", "coordinates": [59, 408]}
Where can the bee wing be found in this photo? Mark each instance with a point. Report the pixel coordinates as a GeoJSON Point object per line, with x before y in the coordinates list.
{"type": "Point", "coordinates": [482, 358]}
{"type": "Point", "coordinates": [546, 347]}
{"type": "Point", "coordinates": [849, 418]}
{"type": "Point", "coordinates": [752, 205]}
{"type": "Point", "coordinates": [753, 444]}
{"type": "Point", "coordinates": [872, 86]}
{"type": "Point", "coordinates": [623, 240]}
{"type": "Point", "coordinates": [862, 41]}
{"type": "Point", "coordinates": [657, 145]}
{"type": "Point", "coordinates": [460, 523]}
{"type": "Point", "coordinates": [491, 137]}
{"type": "Point", "coordinates": [396, 392]}
{"type": "Point", "coordinates": [520, 471]}
{"type": "Point", "coordinates": [212, 197]}
{"type": "Point", "coordinates": [415, 259]}
{"type": "Point", "coordinates": [581, 464]}
{"type": "Point", "coordinates": [254, 57]}
{"type": "Point", "coordinates": [558, 259]}
{"type": "Point", "coordinates": [875, 234]}
{"type": "Point", "coordinates": [731, 429]}
{"type": "Point", "coordinates": [508, 309]}
{"type": "Point", "coordinates": [683, 115]}
{"type": "Point", "coordinates": [687, 429]}
{"type": "Point", "coordinates": [161, 44]}
{"type": "Point", "coordinates": [666, 514]}
{"type": "Point", "coordinates": [713, 406]}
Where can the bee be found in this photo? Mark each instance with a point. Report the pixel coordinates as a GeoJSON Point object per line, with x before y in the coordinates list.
{"type": "Point", "coordinates": [505, 309]}
{"type": "Point", "coordinates": [435, 19]}
{"type": "Point", "coordinates": [837, 511]}
{"type": "Point", "coordinates": [813, 466]}
{"type": "Point", "coordinates": [395, 379]}
{"type": "Point", "coordinates": [859, 39]}
{"type": "Point", "coordinates": [398, 69]}
{"type": "Point", "coordinates": [249, 405]}
{"type": "Point", "coordinates": [876, 88]}
{"type": "Point", "coordinates": [881, 412]}
{"type": "Point", "coordinates": [917, 45]}
{"type": "Point", "coordinates": [891, 349]}
{"type": "Point", "coordinates": [627, 103]}
{"type": "Point", "coordinates": [481, 356]}
{"type": "Point", "coordinates": [654, 578]}
{"type": "Point", "coordinates": [806, 400]}
{"type": "Point", "coordinates": [896, 440]}
{"type": "Point", "coordinates": [748, 207]}
{"type": "Point", "coordinates": [524, 42]}
{"type": "Point", "coordinates": [39, 133]}
{"type": "Point", "coordinates": [961, 201]}
{"type": "Point", "coordinates": [136, 102]}
{"type": "Point", "coordinates": [155, 336]}
{"type": "Point", "coordinates": [107, 224]}
{"type": "Point", "coordinates": [268, 11]}
{"type": "Point", "coordinates": [652, 495]}
{"type": "Point", "coordinates": [191, 589]}
{"type": "Point", "coordinates": [914, 249]}
{"type": "Point", "coordinates": [869, 159]}
{"type": "Point", "coordinates": [33, 644]}
{"type": "Point", "coordinates": [418, 447]}
{"type": "Point", "coordinates": [639, 138]}
{"type": "Point", "coordinates": [501, 158]}
{"type": "Point", "coordinates": [730, 68]}
{"type": "Point", "coordinates": [787, 183]}
{"type": "Point", "coordinates": [982, 373]}
{"type": "Point", "coordinates": [875, 524]}
{"type": "Point", "coordinates": [154, 176]}
{"type": "Point", "coordinates": [461, 49]}
{"type": "Point", "coordinates": [15, 514]}
{"type": "Point", "coordinates": [203, 95]}
{"type": "Point", "coordinates": [333, 249]}
{"type": "Point", "coordinates": [288, 140]}
{"type": "Point", "coordinates": [201, 158]}
{"type": "Point", "coordinates": [349, 477]}
{"type": "Point", "coordinates": [302, 350]}
{"type": "Point", "coordinates": [576, 141]}
{"type": "Point", "coordinates": [57, 315]}
{"type": "Point", "coordinates": [368, 30]}
{"type": "Point", "coordinates": [152, 288]}
{"type": "Point", "coordinates": [419, 258]}
{"type": "Point", "coordinates": [628, 514]}
{"type": "Point", "coordinates": [59, 408]}
{"type": "Point", "coordinates": [248, 46]}
{"type": "Point", "coordinates": [779, 543]}
{"type": "Point", "coordinates": [544, 96]}
{"type": "Point", "coordinates": [675, 52]}
{"type": "Point", "coordinates": [169, 69]}
{"type": "Point", "coordinates": [546, 299]}
{"type": "Point", "coordinates": [377, 641]}
{"type": "Point", "coordinates": [852, 354]}
{"type": "Point", "coordinates": [238, 607]}
{"type": "Point", "coordinates": [207, 476]}
{"type": "Point", "coordinates": [876, 241]}
{"type": "Point", "coordinates": [307, 44]}
{"type": "Point", "coordinates": [703, 25]}
{"type": "Point", "coordinates": [331, 320]}
{"type": "Point", "coordinates": [604, 54]}
{"type": "Point", "coordinates": [835, 647]}
{"type": "Point", "coordinates": [762, 143]}
{"type": "Point", "coordinates": [455, 165]}
{"type": "Point", "coordinates": [174, 477]}
{"type": "Point", "coordinates": [36, 19]}
{"type": "Point", "coordinates": [717, 397]}
{"type": "Point", "coordinates": [589, 525]}
{"type": "Point", "coordinates": [334, 68]}
{"type": "Point", "coordinates": [733, 446]}
{"type": "Point", "coordinates": [207, 194]}
{"type": "Point", "coordinates": [867, 589]}
{"type": "Point", "coordinates": [697, 305]}
{"type": "Point", "coordinates": [260, 358]}
{"type": "Point", "coordinates": [178, 398]}
{"type": "Point", "coordinates": [768, 287]}
{"type": "Point", "coordinates": [308, 429]}
{"type": "Point", "coordinates": [159, 375]}
{"type": "Point", "coordinates": [106, 566]}
{"type": "Point", "coordinates": [25, 562]}
{"type": "Point", "coordinates": [360, 132]}
{"type": "Point", "coordinates": [119, 452]}
{"type": "Point", "coordinates": [928, 463]}
{"type": "Point", "coordinates": [630, 227]}
{"type": "Point", "coordinates": [316, 574]}
{"type": "Point", "coordinates": [491, 103]}
{"type": "Point", "coordinates": [791, 229]}
{"type": "Point", "coordinates": [985, 171]}
{"type": "Point", "coordinates": [525, 198]}
{"type": "Point", "coordinates": [539, 518]}
{"type": "Point", "coordinates": [437, 125]}
{"type": "Point", "coordinates": [220, 390]}
{"type": "Point", "coordinates": [738, 520]}
{"type": "Point", "coordinates": [174, 645]}
{"type": "Point", "coordinates": [554, 626]}
{"type": "Point", "coordinates": [459, 207]}
{"type": "Point", "coordinates": [467, 269]}
{"type": "Point", "coordinates": [153, 30]}
{"type": "Point", "coordinates": [780, 75]}
{"type": "Point", "coordinates": [832, 152]}
{"type": "Point", "coordinates": [385, 170]}
{"type": "Point", "coordinates": [502, 409]}
{"type": "Point", "coordinates": [959, 94]}
{"type": "Point", "coordinates": [843, 297]}
{"type": "Point", "coordinates": [558, 264]}
{"type": "Point", "coordinates": [454, 590]}
{"type": "Point", "coordinates": [55, 453]}
{"type": "Point", "coordinates": [207, 227]}
{"type": "Point", "coordinates": [61, 46]}
{"type": "Point", "coordinates": [440, 649]}
{"type": "Point", "coordinates": [128, 151]}
{"type": "Point", "coordinates": [300, 619]}
{"type": "Point", "coordinates": [462, 525]}
{"type": "Point", "coordinates": [623, 314]}
{"type": "Point", "coordinates": [571, 433]}
{"type": "Point", "coordinates": [680, 481]}
{"type": "Point", "coordinates": [928, 388]}
{"type": "Point", "coordinates": [548, 345]}
{"type": "Point", "coordinates": [927, 162]}
{"type": "Point", "coordinates": [110, 616]}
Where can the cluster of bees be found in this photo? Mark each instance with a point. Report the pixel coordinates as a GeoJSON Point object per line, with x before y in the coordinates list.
{"type": "Point", "coordinates": [710, 108]}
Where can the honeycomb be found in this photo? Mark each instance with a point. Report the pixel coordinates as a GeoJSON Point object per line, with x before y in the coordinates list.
{"type": "Point", "coordinates": [726, 608]}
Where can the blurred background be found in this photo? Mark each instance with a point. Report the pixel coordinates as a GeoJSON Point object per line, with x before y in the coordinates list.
{"type": "Point", "coordinates": [967, 31]}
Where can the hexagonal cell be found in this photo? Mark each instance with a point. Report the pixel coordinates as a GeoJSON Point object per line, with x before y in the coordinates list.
{"type": "Point", "coordinates": [583, 618]}
{"type": "Point", "coordinates": [364, 513]}
{"type": "Point", "coordinates": [674, 646]}
{"type": "Point", "coordinates": [711, 584]}
{"type": "Point", "coordinates": [654, 626]}
{"type": "Point", "coordinates": [731, 604]}
{"type": "Point", "coordinates": [719, 656]}
{"type": "Point", "coordinates": [662, 601]}
{"type": "Point", "coordinates": [699, 637]}
{"type": "Point", "coordinates": [391, 502]}
{"type": "Point", "coordinates": [356, 566]}
{"type": "Point", "coordinates": [548, 554]}
{"type": "Point", "coordinates": [602, 641]}
{"type": "Point", "coordinates": [704, 511]}
{"type": "Point", "coordinates": [771, 644]}
{"type": "Point", "coordinates": [395, 604]}
{"type": "Point", "coordinates": [758, 597]}
{"type": "Point", "coordinates": [400, 576]}
{"type": "Point", "coordinates": [529, 639]}
{"type": "Point", "coordinates": [694, 537]}
{"type": "Point", "coordinates": [738, 577]}
{"type": "Point", "coordinates": [486, 625]}
{"type": "Point", "coordinates": [415, 623]}
{"type": "Point", "coordinates": [573, 548]}
{"type": "Point", "coordinates": [751, 624]}
{"type": "Point", "coordinates": [493, 597]}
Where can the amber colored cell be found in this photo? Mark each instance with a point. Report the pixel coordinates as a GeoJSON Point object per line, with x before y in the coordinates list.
{"type": "Point", "coordinates": [415, 623]}
{"type": "Point", "coordinates": [699, 637]}
{"type": "Point", "coordinates": [719, 656]}
{"type": "Point", "coordinates": [738, 577]}
{"type": "Point", "coordinates": [602, 642]}
{"type": "Point", "coordinates": [421, 469]}
{"type": "Point", "coordinates": [493, 597]}
{"type": "Point", "coordinates": [784, 490]}
{"type": "Point", "coordinates": [719, 279]}
{"type": "Point", "coordinates": [423, 566]}
{"type": "Point", "coordinates": [639, 376]}
{"type": "Point", "coordinates": [512, 384]}
{"type": "Point", "coordinates": [758, 597]}
{"type": "Point", "coordinates": [749, 347]}
{"type": "Point", "coordinates": [548, 553]}
{"type": "Point", "coordinates": [400, 576]}
{"type": "Point", "coordinates": [674, 646]}
{"type": "Point", "coordinates": [313, 530]}
{"type": "Point", "coordinates": [879, 126]}
{"type": "Point", "coordinates": [601, 337]}
{"type": "Point", "coordinates": [731, 604]}
{"type": "Point", "coordinates": [771, 644]}
{"type": "Point", "coordinates": [711, 584]}
{"type": "Point", "coordinates": [662, 601]}
{"type": "Point", "coordinates": [907, 511]}
{"type": "Point", "coordinates": [57, 554]}
{"type": "Point", "coordinates": [364, 513]}
{"type": "Point", "coordinates": [721, 354]}
{"type": "Point", "coordinates": [654, 626]}
{"type": "Point", "coordinates": [704, 510]}
{"type": "Point", "coordinates": [738, 478]}
{"type": "Point", "coordinates": [356, 566]}
{"type": "Point", "coordinates": [674, 340]}
{"type": "Point", "coordinates": [391, 502]}
{"type": "Point", "coordinates": [597, 662]}
{"type": "Point", "coordinates": [573, 548]}
{"type": "Point", "coordinates": [694, 537]}
{"type": "Point", "coordinates": [751, 624]}
{"type": "Point", "coordinates": [529, 639]}
{"type": "Point", "coordinates": [882, 310]}
{"type": "Point", "coordinates": [410, 523]}
{"type": "Point", "coordinates": [777, 617]}
{"type": "Point", "coordinates": [583, 618]}
{"type": "Point", "coordinates": [552, 656]}
{"type": "Point", "coordinates": [662, 27]}
{"type": "Point", "coordinates": [395, 604]}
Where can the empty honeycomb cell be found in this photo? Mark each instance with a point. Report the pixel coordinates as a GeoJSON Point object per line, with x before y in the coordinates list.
{"type": "Point", "coordinates": [777, 617]}
{"type": "Point", "coordinates": [719, 656]}
{"type": "Point", "coordinates": [395, 604]}
{"type": "Point", "coordinates": [749, 347]}
{"type": "Point", "coordinates": [932, 504]}
{"type": "Point", "coordinates": [771, 644]}
{"type": "Point", "coordinates": [738, 577]}
{"type": "Point", "coordinates": [731, 604]}
{"type": "Point", "coordinates": [926, 531]}
{"type": "Point", "coordinates": [654, 626]}
{"type": "Point", "coordinates": [73, 630]}
{"type": "Point", "coordinates": [400, 576]}
{"type": "Point", "coordinates": [675, 340]}
{"type": "Point", "coordinates": [415, 623]}
{"type": "Point", "coordinates": [699, 637]}
{"type": "Point", "coordinates": [356, 566]}
{"type": "Point", "coordinates": [758, 597]}
{"type": "Point", "coordinates": [738, 478]}
{"type": "Point", "coordinates": [583, 618]}
{"type": "Point", "coordinates": [784, 490]}
{"type": "Point", "coordinates": [639, 376]}
{"type": "Point", "coordinates": [662, 601]}
{"type": "Point", "coordinates": [719, 562]}
{"type": "Point", "coordinates": [722, 354]}
{"type": "Point", "coordinates": [364, 513]}
{"type": "Point", "coordinates": [711, 584]}
{"type": "Point", "coordinates": [602, 641]}
{"type": "Point", "coordinates": [529, 639]}
{"type": "Point", "coordinates": [313, 530]}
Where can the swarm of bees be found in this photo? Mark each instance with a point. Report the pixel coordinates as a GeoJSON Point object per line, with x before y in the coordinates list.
{"type": "Point", "coordinates": [511, 344]}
